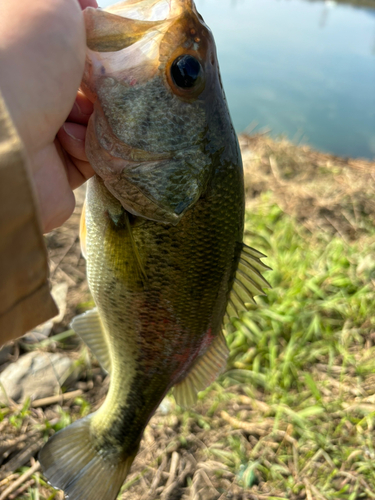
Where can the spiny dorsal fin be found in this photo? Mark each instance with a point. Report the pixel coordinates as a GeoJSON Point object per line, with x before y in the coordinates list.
{"type": "Point", "coordinates": [83, 230]}
{"type": "Point", "coordinates": [248, 281]}
{"type": "Point", "coordinates": [89, 327]}
{"type": "Point", "coordinates": [205, 370]}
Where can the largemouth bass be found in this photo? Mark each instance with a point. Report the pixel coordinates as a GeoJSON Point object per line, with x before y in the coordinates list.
{"type": "Point", "coordinates": [162, 232]}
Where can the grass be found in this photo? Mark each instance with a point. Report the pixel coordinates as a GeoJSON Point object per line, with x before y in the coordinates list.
{"type": "Point", "coordinates": [320, 306]}
{"type": "Point", "coordinates": [293, 416]}
{"type": "Point", "coordinates": [305, 351]}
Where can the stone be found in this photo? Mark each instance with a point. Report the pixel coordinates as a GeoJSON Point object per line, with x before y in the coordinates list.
{"type": "Point", "coordinates": [36, 375]}
{"type": "Point", "coordinates": [5, 353]}
{"type": "Point", "coordinates": [166, 406]}
{"type": "Point", "coordinates": [39, 333]}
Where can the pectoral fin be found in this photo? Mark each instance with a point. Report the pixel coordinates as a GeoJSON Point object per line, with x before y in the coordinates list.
{"type": "Point", "coordinates": [205, 370]}
{"type": "Point", "coordinates": [89, 327]}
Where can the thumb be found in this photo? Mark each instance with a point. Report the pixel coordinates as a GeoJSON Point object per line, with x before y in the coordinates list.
{"type": "Point", "coordinates": [88, 3]}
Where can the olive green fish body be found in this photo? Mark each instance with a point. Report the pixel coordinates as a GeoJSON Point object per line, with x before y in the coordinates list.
{"type": "Point", "coordinates": [160, 318]}
{"type": "Point", "coordinates": [162, 232]}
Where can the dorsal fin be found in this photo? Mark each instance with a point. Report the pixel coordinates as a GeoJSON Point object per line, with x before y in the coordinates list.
{"type": "Point", "coordinates": [89, 327]}
{"type": "Point", "coordinates": [83, 230]}
{"type": "Point", "coordinates": [205, 370]}
{"type": "Point", "coordinates": [248, 281]}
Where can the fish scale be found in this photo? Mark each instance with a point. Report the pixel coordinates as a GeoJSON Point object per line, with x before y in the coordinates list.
{"type": "Point", "coordinates": [195, 289]}
{"type": "Point", "coordinates": [162, 233]}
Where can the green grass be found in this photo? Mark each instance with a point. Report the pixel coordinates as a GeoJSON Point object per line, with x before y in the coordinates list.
{"type": "Point", "coordinates": [319, 309]}
{"type": "Point", "coordinates": [293, 416]}
{"type": "Point", "coordinates": [305, 352]}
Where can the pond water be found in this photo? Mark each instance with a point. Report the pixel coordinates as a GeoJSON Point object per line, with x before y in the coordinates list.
{"type": "Point", "coordinates": [302, 69]}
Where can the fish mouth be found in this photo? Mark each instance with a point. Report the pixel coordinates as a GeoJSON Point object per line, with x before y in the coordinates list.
{"type": "Point", "coordinates": [151, 10]}
{"type": "Point", "coordinates": [114, 163]}
{"type": "Point", "coordinates": [124, 39]}
{"type": "Point", "coordinates": [129, 44]}
{"type": "Point", "coordinates": [123, 45]}
{"type": "Point", "coordinates": [115, 155]}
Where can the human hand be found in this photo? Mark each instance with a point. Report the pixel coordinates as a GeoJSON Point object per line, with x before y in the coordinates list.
{"type": "Point", "coordinates": [42, 57]}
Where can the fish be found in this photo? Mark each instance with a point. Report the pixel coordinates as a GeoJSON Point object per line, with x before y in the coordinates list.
{"type": "Point", "coordinates": [161, 231]}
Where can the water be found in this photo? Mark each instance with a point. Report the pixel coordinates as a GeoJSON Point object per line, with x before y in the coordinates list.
{"type": "Point", "coordinates": [302, 69]}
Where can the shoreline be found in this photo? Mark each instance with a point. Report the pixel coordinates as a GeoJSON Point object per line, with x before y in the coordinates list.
{"type": "Point", "coordinates": [354, 3]}
{"type": "Point", "coordinates": [322, 191]}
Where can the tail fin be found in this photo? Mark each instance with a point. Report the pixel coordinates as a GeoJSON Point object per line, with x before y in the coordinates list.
{"type": "Point", "coordinates": [71, 463]}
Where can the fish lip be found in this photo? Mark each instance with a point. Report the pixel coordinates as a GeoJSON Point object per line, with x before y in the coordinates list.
{"type": "Point", "coordinates": [141, 59]}
{"type": "Point", "coordinates": [103, 133]}
{"type": "Point", "coordinates": [113, 160]}
{"type": "Point", "coordinates": [112, 170]}
{"type": "Point", "coordinates": [129, 154]}
{"type": "Point", "coordinates": [151, 9]}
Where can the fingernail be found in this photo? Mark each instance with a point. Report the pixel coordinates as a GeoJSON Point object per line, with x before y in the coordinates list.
{"type": "Point", "coordinates": [70, 134]}
{"type": "Point", "coordinates": [77, 107]}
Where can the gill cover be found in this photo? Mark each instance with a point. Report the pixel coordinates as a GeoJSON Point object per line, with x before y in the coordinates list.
{"type": "Point", "coordinates": [142, 52]}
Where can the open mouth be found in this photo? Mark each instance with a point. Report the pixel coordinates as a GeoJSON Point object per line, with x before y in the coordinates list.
{"type": "Point", "coordinates": [117, 154]}
{"type": "Point", "coordinates": [145, 69]}
{"type": "Point", "coordinates": [138, 179]}
{"type": "Point", "coordinates": [124, 39]}
{"type": "Point", "coordinates": [150, 10]}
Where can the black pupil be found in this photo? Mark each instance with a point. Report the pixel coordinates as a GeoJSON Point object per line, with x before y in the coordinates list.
{"type": "Point", "coordinates": [185, 71]}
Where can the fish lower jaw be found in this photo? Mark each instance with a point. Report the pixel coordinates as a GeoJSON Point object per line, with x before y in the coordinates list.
{"type": "Point", "coordinates": [114, 161]}
{"type": "Point", "coordinates": [118, 154]}
{"type": "Point", "coordinates": [128, 155]}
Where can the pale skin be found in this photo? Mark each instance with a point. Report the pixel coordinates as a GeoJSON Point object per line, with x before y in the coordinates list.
{"type": "Point", "coordinates": [42, 56]}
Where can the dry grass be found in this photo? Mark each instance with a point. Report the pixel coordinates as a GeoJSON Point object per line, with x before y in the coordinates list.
{"type": "Point", "coordinates": [293, 416]}
{"type": "Point", "coordinates": [324, 193]}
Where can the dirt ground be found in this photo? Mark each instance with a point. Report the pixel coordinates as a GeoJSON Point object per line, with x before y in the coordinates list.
{"type": "Point", "coordinates": [324, 193]}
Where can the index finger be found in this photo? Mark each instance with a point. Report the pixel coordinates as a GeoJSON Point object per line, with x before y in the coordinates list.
{"type": "Point", "coordinates": [81, 111]}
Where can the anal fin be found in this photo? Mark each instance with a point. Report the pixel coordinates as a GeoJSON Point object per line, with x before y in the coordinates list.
{"type": "Point", "coordinates": [204, 371]}
{"type": "Point", "coordinates": [89, 327]}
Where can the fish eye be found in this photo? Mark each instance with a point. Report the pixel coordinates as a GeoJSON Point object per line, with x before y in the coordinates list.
{"type": "Point", "coordinates": [185, 71]}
